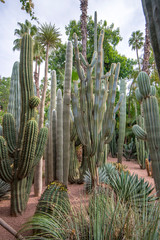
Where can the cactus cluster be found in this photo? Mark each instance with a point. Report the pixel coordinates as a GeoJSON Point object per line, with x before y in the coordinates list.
{"type": "Point", "coordinates": [152, 124]}
{"type": "Point", "coordinates": [18, 156]}
{"type": "Point", "coordinates": [94, 114]}
{"type": "Point", "coordinates": [58, 156]}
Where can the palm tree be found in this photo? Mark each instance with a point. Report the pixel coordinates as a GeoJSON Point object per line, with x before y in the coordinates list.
{"type": "Point", "coordinates": [26, 27]}
{"type": "Point", "coordinates": [38, 56]}
{"type": "Point", "coordinates": [136, 41]}
{"type": "Point", "coordinates": [48, 37]}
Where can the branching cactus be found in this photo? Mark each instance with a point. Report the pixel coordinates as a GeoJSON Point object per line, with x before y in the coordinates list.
{"type": "Point", "coordinates": [94, 114]}
{"type": "Point", "coordinates": [122, 121]}
{"type": "Point", "coordinates": [14, 105]}
{"type": "Point", "coordinates": [152, 124]}
{"type": "Point", "coordinates": [18, 158]}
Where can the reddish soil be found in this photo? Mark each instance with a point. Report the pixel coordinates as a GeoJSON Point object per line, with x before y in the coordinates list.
{"type": "Point", "coordinates": [75, 194]}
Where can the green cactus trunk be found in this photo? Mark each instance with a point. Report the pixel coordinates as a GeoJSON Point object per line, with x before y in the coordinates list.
{"type": "Point", "coordinates": [122, 121]}
{"type": "Point", "coordinates": [66, 112]}
{"type": "Point", "coordinates": [18, 158]}
{"type": "Point", "coordinates": [14, 105]}
{"type": "Point", "coordinates": [152, 124]}
{"type": "Point", "coordinates": [59, 139]}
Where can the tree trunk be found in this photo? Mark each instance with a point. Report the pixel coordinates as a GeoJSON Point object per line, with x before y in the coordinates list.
{"type": "Point", "coordinates": [138, 59]}
{"type": "Point", "coordinates": [146, 56]}
{"type": "Point", "coordinates": [83, 7]}
{"type": "Point", "coordinates": [38, 168]}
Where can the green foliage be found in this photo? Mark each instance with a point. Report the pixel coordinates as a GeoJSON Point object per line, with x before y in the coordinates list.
{"type": "Point", "coordinates": [26, 27]}
{"type": "Point", "coordinates": [111, 39]}
{"type": "Point", "coordinates": [4, 96]}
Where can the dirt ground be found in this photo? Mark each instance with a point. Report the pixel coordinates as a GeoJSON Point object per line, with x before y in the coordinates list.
{"type": "Point", "coordinates": [75, 194]}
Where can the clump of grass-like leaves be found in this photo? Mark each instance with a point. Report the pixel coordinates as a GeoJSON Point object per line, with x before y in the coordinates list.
{"type": "Point", "coordinates": [103, 219]}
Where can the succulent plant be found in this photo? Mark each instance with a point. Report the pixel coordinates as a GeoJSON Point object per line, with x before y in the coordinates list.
{"type": "Point", "coordinates": [152, 125]}
{"type": "Point", "coordinates": [19, 157]}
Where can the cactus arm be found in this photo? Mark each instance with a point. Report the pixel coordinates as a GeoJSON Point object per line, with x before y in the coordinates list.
{"type": "Point", "coordinates": [5, 163]}
{"type": "Point", "coordinates": [119, 103]}
{"type": "Point", "coordinates": [9, 132]}
{"type": "Point", "coordinates": [139, 132]}
{"type": "Point", "coordinates": [28, 149]}
{"type": "Point", "coordinates": [40, 146]}
{"type": "Point", "coordinates": [83, 60]}
{"type": "Point", "coordinates": [79, 71]}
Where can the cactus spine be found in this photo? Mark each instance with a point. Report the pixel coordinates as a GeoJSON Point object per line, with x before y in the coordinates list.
{"type": "Point", "coordinates": [94, 124]}
{"type": "Point", "coordinates": [14, 105]}
{"type": "Point", "coordinates": [122, 121]}
{"type": "Point", "coordinates": [152, 125]}
{"type": "Point", "coordinates": [18, 158]}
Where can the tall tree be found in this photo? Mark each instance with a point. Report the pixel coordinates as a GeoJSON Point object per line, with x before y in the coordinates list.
{"type": "Point", "coordinates": [38, 55]}
{"type": "Point", "coordinates": [26, 27]}
{"type": "Point", "coordinates": [49, 37]}
{"type": "Point", "coordinates": [83, 18]}
{"type": "Point", "coordinates": [136, 42]}
{"type": "Point", "coordinates": [146, 55]}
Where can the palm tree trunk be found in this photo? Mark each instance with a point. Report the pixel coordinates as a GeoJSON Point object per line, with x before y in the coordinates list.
{"type": "Point", "coordinates": [138, 59]}
{"type": "Point", "coordinates": [83, 7]}
{"type": "Point", "coordinates": [146, 51]}
{"type": "Point", "coordinates": [38, 168]}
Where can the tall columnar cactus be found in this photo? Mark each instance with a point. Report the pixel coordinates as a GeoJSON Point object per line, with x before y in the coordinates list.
{"type": "Point", "coordinates": [122, 121]}
{"type": "Point", "coordinates": [14, 105]}
{"type": "Point", "coordinates": [152, 124]}
{"type": "Point", "coordinates": [50, 176]}
{"type": "Point", "coordinates": [18, 158]}
{"type": "Point", "coordinates": [59, 138]}
{"type": "Point", "coordinates": [66, 112]}
{"type": "Point", "coordinates": [94, 124]}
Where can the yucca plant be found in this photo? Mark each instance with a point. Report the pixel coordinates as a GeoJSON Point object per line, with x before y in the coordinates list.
{"type": "Point", "coordinates": [129, 188]}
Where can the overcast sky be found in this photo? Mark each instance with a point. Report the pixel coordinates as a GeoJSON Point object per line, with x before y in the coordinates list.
{"type": "Point", "coordinates": [125, 14]}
